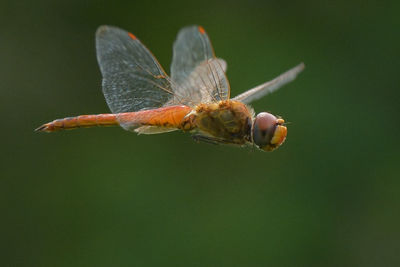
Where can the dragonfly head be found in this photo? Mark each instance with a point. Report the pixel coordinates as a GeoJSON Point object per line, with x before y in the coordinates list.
{"type": "Point", "coordinates": [268, 131]}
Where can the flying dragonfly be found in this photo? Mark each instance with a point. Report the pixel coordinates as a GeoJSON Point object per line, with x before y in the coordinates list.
{"type": "Point", "coordinates": [195, 98]}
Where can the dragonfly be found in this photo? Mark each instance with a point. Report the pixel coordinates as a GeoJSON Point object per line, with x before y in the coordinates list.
{"type": "Point", "coordinates": [195, 98]}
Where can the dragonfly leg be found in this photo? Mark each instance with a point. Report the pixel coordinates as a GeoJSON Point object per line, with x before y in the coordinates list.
{"type": "Point", "coordinates": [205, 139]}
{"type": "Point", "coordinates": [211, 140]}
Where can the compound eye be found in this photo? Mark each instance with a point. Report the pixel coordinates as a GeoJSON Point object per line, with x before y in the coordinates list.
{"type": "Point", "coordinates": [263, 129]}
{"type": "Point", "coordinates": [268, 133]}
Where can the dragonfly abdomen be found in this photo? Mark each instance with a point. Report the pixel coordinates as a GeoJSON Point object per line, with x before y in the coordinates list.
{"type": "Point", "coordinates": [79, 122]}
{"type": "Point", "coordinates": [167, 117]}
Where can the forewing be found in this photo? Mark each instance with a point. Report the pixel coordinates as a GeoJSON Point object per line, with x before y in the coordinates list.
{"type": "Point", "coordinates": [207, 83]}
{"type": "Point", "coordinates": [271, 86]}
{"type": "Point", "coordinates": [132, 78]}
{"type": "Point", "coordinates": [194, 60]}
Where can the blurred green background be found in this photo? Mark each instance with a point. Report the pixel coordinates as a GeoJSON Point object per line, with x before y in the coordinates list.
{"type": "Point", "coordinates": [106, 197]}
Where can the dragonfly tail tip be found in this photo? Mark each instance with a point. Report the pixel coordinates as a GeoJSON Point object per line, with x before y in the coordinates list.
{"type": "Point", "coordinates": [42, 128]}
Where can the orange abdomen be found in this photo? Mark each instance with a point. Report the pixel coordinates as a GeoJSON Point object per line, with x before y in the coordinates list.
{"type": "Point", "coordinates": [171, 117]}
{"type": "Point", "coordinates": [168, 117]}
{"type": "Point", "coordinates": [79, 122]}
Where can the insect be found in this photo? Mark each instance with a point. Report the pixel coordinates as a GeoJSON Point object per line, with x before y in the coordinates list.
{"type": "Point", "coordinates": [195, 98]}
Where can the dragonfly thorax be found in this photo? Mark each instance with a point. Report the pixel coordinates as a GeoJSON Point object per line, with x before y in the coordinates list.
{"type": "Point", "coordinates": [226, 121]}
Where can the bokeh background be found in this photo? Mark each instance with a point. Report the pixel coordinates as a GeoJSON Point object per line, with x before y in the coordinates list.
{"type": "Point", "coordinates": [105, 197]}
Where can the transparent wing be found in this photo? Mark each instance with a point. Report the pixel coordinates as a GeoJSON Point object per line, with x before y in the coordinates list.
{"type": "Point", "coordinates": [207, 83]}
{"type": "Point", "coordinates": [271, 86]}
{"type": "Point", "coordinates": [132, 78]}
{"type": "Point", "coordinates": [193, 61]}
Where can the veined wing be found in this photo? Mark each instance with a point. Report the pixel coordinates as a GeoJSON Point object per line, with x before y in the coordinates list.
{"type": "Point", "coordinates": [271, 86]}
{"type": "Point", "coordinates": [196, 74]}
{"type": "Point", "coordinates": [132, 78]}
{"type": "Point", "coordinates": [206, 83]}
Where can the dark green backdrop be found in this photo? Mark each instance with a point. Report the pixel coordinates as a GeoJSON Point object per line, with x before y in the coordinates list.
{"type": "Point", "coordinates": [106, 197]}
